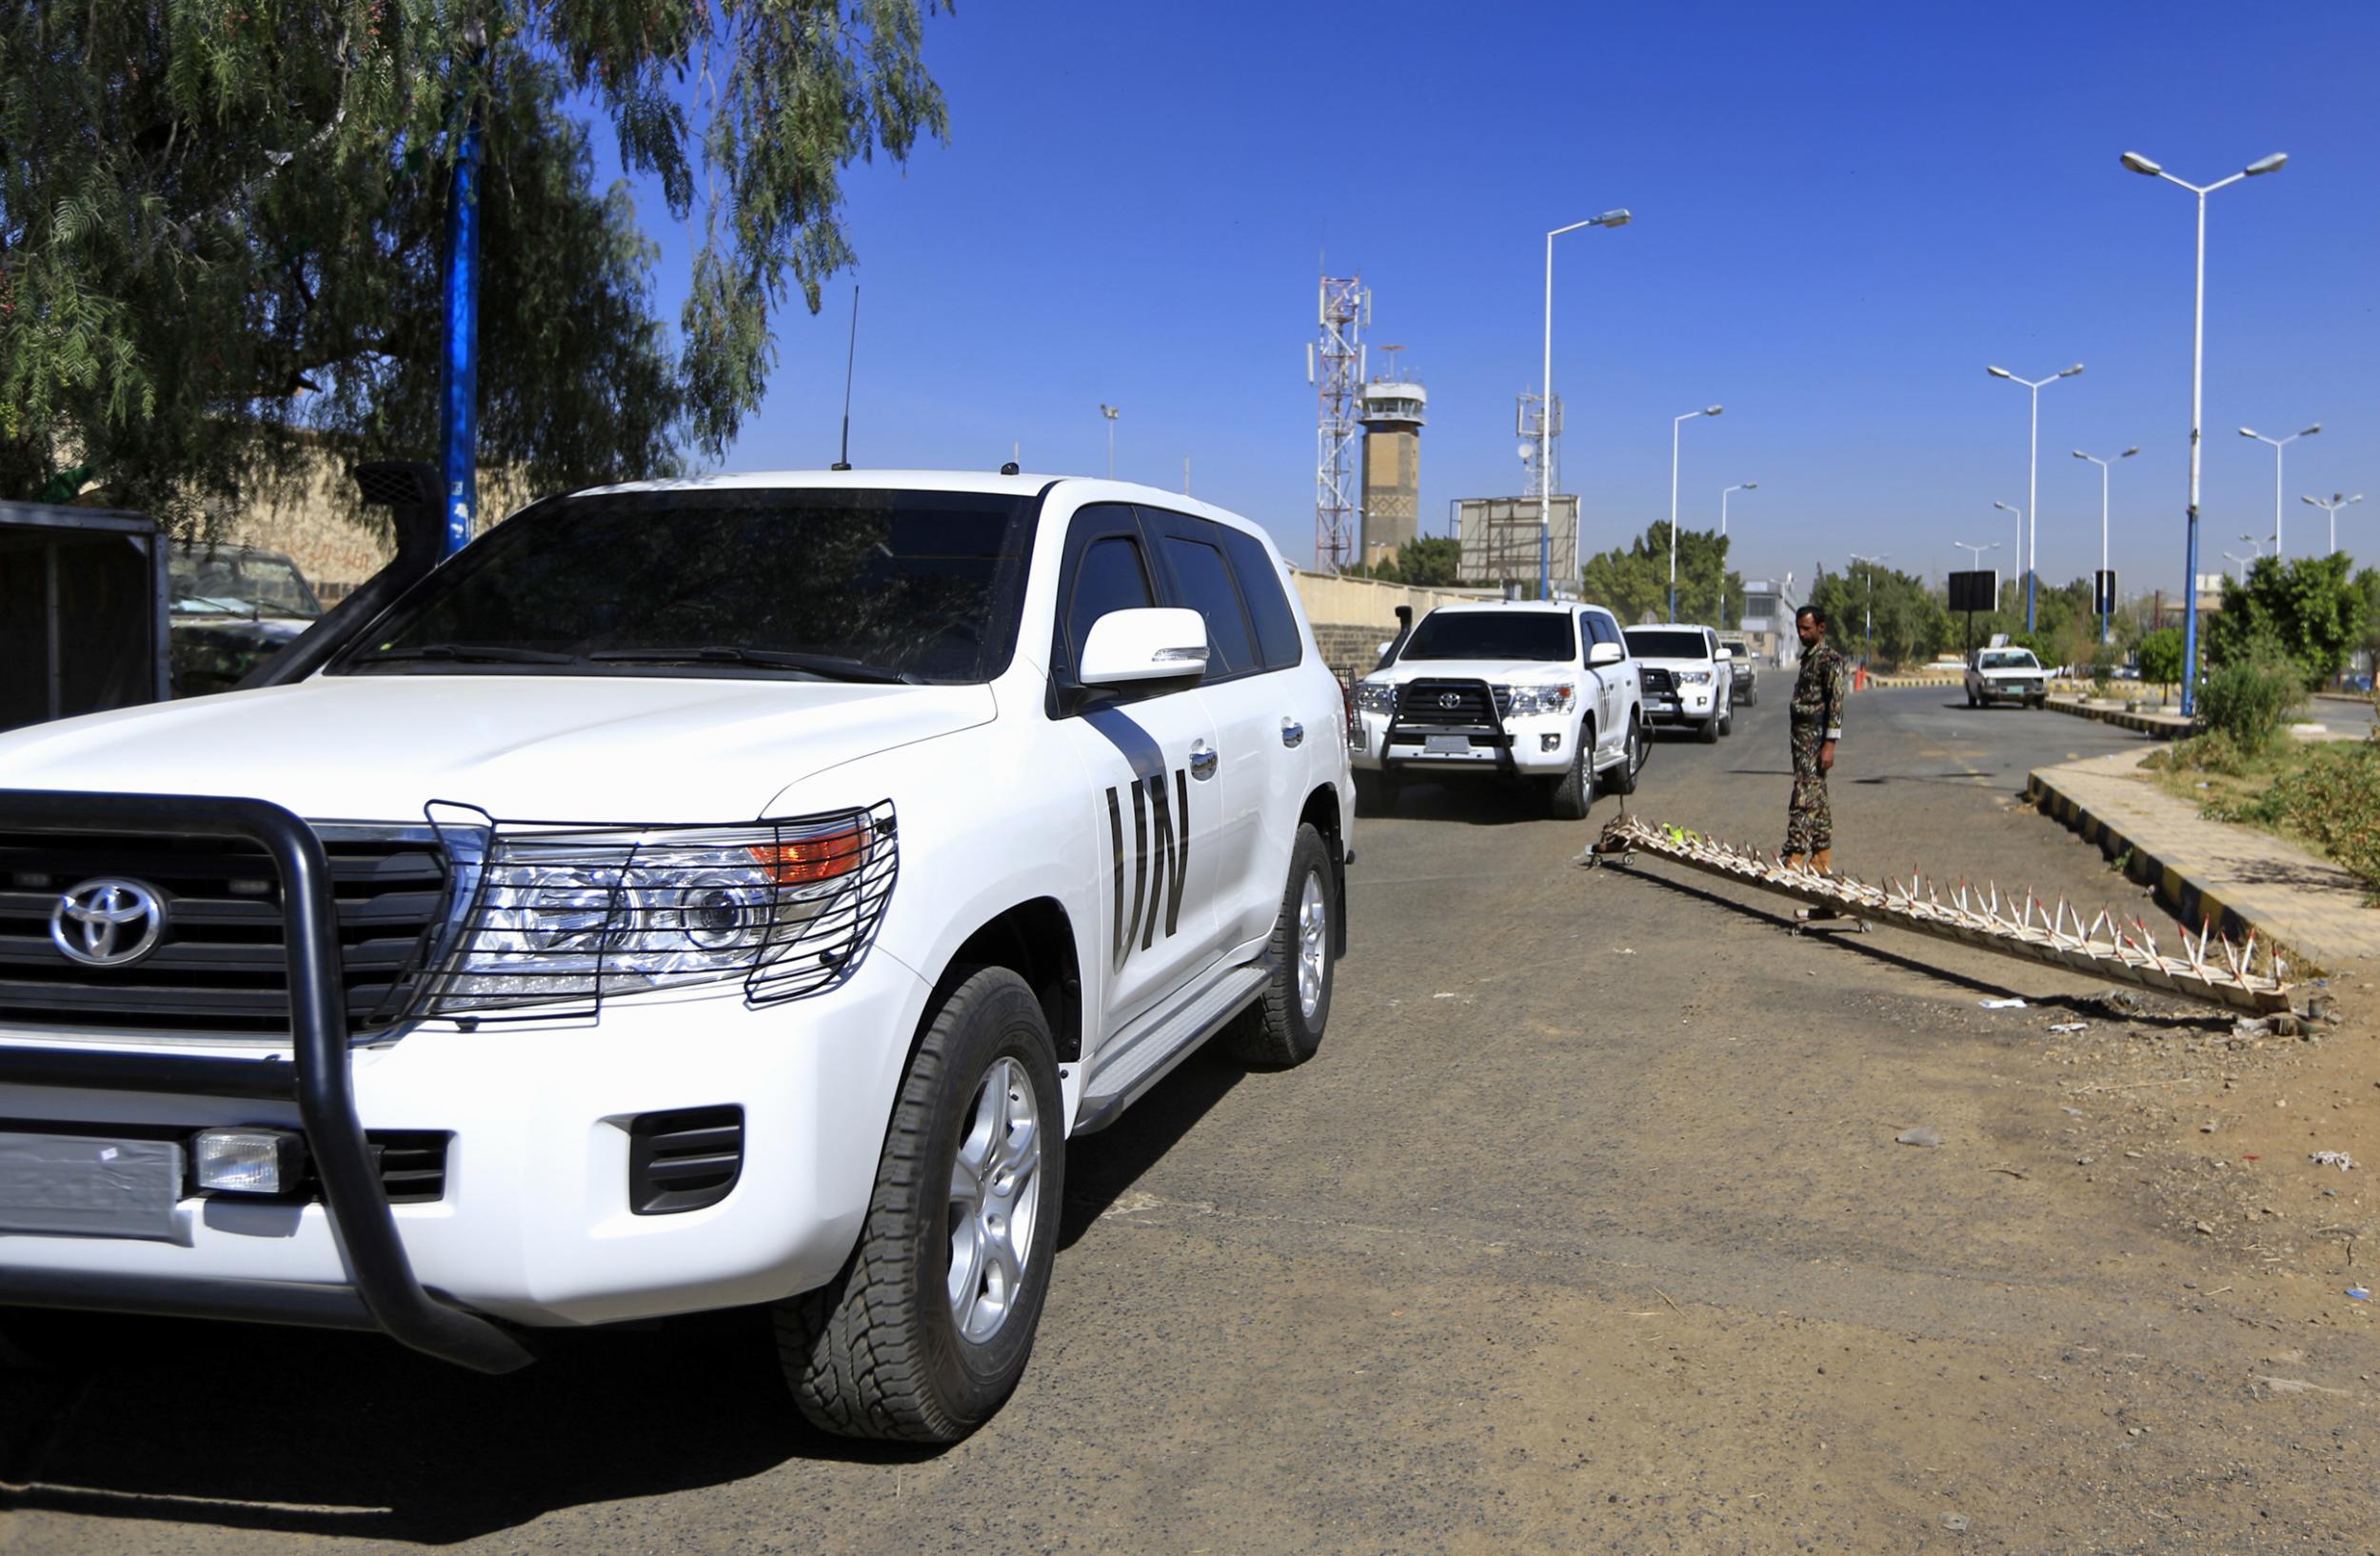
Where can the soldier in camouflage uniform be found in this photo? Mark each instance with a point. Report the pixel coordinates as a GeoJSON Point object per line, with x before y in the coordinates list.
{"type": "Point", "coordinates": [1817, 723]}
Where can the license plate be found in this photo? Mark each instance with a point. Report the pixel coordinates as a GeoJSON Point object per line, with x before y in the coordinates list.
{"type": "Point", "coordinates": [87, 1187]}
{"type": "Point", "coordinates": [1446, 744]}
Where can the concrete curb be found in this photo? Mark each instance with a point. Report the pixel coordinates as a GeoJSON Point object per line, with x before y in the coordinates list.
{"type": "Point", "coordinates": [2187, 899]}
{"type": "Point", "coordinates": [2170, 726]}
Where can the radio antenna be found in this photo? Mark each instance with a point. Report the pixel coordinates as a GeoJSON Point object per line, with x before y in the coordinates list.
{"type": "Point", "coordinates": [849, 356]}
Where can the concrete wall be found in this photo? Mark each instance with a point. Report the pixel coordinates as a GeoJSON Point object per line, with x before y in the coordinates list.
{"type": "Point", "coordinates": [1353, 616]}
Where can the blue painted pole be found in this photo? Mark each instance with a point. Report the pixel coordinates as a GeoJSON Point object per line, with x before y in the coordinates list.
{"type": "Point", "coordinates": [458, 430]}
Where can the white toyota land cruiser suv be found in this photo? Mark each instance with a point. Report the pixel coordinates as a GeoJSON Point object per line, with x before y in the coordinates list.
{"type": "Point", "coordinates": [1518, 689]}
{"type": "Point", "coordinates": [690, 895]}
{"type": "Point", "coordinates": [1689, 678]}
{"type": "Point", "coordinates": [2006, 675]}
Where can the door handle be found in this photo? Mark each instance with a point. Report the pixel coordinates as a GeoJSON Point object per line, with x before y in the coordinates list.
{"type": "Point", "coordinates": [1203, 758]}
{"type": "Point", "coordinates": [1293, 734]}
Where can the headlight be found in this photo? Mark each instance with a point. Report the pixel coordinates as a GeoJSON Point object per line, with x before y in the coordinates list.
{"type": "Point", "coordinates": [1523, 701]}
{"type": "Point", "coordinates": [585, 914]}
{"type": "Point", "coordinates": [1693, 678]}
{"type": "Point", "coordinates": [1376, 696]}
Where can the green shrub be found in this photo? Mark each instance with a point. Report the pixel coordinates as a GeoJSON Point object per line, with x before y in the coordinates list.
{"type": "Point", "coordinates": [2251, 696]}
{"type": "Point", "coordinates": [2334, 800]}
{"type": "Point", "coordinates": [2161, 656]}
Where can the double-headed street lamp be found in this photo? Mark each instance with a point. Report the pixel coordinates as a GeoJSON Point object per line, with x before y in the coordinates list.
{"type": "Point", "coordinates": [1111, 412]}
{"type": "Point", "coordinates": [2278, 444]}
{"type": "Point", "coordinates": [2033, 482]}
{"type": "Point", "coordinates": [1740, 486]}
{"type": "Point", "coordinates": [1978, 550]}
{"type": "Point", "coordinates": [2197, 383]}
{"type": "Point", "coordinates": [1545, 411]}
{"type": "Point", "coordinates": [2020, 552]}
{"type": "Point", "coordinates": [2242, 561]}
{"type": "Point", "coordinates": [2332, 508]}
{"type": "Point", "coordinates": [1676, 422]}
{"type": "Point", "coordinates": [2106, 604]}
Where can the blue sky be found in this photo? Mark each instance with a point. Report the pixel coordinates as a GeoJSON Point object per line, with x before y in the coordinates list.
{"type": "Point", "coordinates": [1843, 213]}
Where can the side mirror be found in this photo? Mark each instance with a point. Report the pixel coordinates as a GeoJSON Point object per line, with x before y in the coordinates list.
{"type": "Point", "coordinates": [1727, 651]}
{"type": "Point", "coordinates": [1133, 648]}
{"type": "Point", "coordinates": [1605, 653]}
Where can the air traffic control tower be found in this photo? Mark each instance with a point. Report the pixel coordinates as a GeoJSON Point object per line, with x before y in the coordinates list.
{"type": "Point", "coordinates": [1392, 412]}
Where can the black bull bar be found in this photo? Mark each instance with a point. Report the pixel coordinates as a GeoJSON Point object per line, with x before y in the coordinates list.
{"type": "Point", "coordinates": [385, 1295]}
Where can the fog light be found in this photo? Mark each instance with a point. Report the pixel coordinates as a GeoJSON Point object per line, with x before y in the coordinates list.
{"type": "Point", "coordinates": [248, 1161]}
{"type": "Point", "coordinates": [1550, 743]}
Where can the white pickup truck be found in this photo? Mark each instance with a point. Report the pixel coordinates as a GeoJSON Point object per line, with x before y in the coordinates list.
{"type": "Point", "coordinates": [1522, 690]}
{"type": "Point", "coordinates": [1689, 678]}
{"type": "Point", "coordinates": [690, 895]}
{"type": "Point", "coordinates": [2006, 675]}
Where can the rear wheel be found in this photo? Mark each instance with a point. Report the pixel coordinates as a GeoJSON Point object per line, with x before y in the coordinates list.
{"type": "Point", "coordinates": [1622, 779]}
{"type": "Point", "coordinates": [928, 1328]}
{"type": "Point", "coordinates": [1284, 1026]}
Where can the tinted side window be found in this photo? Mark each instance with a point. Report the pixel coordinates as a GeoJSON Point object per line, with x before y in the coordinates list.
{"type": "Point", "coordinates": [1260, 586]}
{"type": "Point", "coordinates": [1110, 576]}
{"type": "Point", "coordinates": [1207, 587]}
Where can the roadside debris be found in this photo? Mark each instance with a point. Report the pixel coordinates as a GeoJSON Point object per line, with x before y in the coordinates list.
{"type": "Point", "coordinates": [2333, 1158]}
{"type": "Point", "coordinates": [1925, 1134]}
{"type": "Point", "coordinates": [2011, 1003]}
{"type": "Point", "coordinates": [2071, 1026]}
{"type": "Point", "coordinates": [2121, 1002]}
{"type": "Point", "coordinates": [2358, 1293]}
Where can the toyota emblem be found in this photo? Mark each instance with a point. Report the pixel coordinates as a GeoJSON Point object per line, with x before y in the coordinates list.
{"type": "Point", "coordinates": [1450, 699]}
{"type": "Point", "coordinates": [108, 923]}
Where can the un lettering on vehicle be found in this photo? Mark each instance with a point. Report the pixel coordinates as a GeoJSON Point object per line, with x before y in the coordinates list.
{"type": "Point", "coordinates": [1160, 858]}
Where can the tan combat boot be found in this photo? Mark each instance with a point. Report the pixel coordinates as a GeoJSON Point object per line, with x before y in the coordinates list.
{"type": "Point", "coordinates": [1823, 861]}
{"type": "Point", "coordinates": [1792, 861]}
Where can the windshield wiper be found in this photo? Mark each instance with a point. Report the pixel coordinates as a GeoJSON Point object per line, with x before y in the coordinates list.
{"type": "Point", "coordinates": [826, 667]}
{"type": "Point", "coordinates": [490, 653]}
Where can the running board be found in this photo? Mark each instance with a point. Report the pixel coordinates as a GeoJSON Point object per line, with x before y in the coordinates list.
{"type": "Point", "coordinates": [2209, 968]}
{"type": "Point", "coordinates": [1150, 1056]}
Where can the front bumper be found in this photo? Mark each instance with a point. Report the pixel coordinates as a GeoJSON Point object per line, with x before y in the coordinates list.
{"type": "Point", "coordinates": [1694, 705]}
{"type": "Point", "coordinates": [536, 1224]}
{"type": "Point", "coordinates": [2011, 690]}
{"type": "Point", "coordinates": [1528, 746]}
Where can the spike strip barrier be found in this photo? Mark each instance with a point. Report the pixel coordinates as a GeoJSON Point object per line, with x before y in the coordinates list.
{"type": "Point", "coordinates": [2209, 968]}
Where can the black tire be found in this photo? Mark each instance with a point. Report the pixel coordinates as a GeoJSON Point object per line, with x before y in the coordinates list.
{"type": "Point", "coordinates": [1622, 779]}
{"type": "Point", "coordinates": [1569, 796]}
{"type": "Point", "coordinates": [1277, 1031]}
{"type": "Point", "coordinates": [1709, 733]}
{"type": "Point", "coordinates": [2036, 702]}
{"type": "Point", "coordinates": [1751, 696]}
{"type": "Point", "coordinates": [1376, 794]}
{"type": "Point", "coordinates": [1727, 718]}
{"type": "Point", "coordinates": [1971, 697]}
{"type": "Point", "coordinates": [878, 1352]}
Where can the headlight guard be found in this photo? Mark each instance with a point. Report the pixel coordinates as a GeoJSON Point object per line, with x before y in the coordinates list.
{"type": "Point", "coordinates": [570, 915]}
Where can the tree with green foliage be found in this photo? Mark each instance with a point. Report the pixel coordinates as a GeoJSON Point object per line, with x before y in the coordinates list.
{"type": "Point", "coordinates": [2306, 606]}
{"type": "Point", "coordinates": [1631, 581]}
{"type": "Point", "coordinates": [221, 226]}
{"type": "Point", "coordinates": [2161, 656]}
{"type": "Point", "coordinates": [1431, 562]}
{"type": "Point", "coordinates": [1909, 620]}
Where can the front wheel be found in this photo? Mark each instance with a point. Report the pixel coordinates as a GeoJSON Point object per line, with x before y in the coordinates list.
{"type": "Point", "coordinates": [1570, 795]}
{"type": "Point", "coordinates": [928, 1328]}
{"type": "Point", "coordinates": [1751, 696]}
{"type": "Point", "coordinates": [1727, 719]}
{"type": "Point", "coordinates": [1708, 733]}
{"type": "Point", "coordinates": [1284, 1026]}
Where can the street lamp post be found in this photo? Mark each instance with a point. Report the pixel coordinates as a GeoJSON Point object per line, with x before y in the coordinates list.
{"type": "Point", "coordinates": [2033, 482]}
{"type": "Point", "coordinates": [1676, 422]}
{"type": "Point", "coordinates": [1740, 486]}
{"type": "Point", "coordinates": [2020, 552]}
{"type": "Point", "coordinates": [1978, 551]}
{"type": "Point", "coordinates": [1867, 649]}
{"type": "Point", "coordinates": [1545, 411]}
{"type": "Point", "coordinates": [2147, 169]}
{"type": "Point", "coordinates": [2105, 606]}
{"type": "Point", "coordinates": [2255, 546]}
{"type": "Point", "coordinates": [2242, 561]}
{"type": "Point", "coordinates": [2332, 508]}
{"type": "Point", "coordinates": [2278, 444]}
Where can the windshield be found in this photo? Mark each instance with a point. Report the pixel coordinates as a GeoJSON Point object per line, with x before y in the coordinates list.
{"type": "Point", "coordinates": [843, 584]}
{"type": "Point", "coordinates": [240, 584]}
{"type": "Point", "coordinates": [2008, 659]}
{"type": "Point", "coordinates": [1667, 643]}
{"type": "Point", "coordinates": [1492, 634]}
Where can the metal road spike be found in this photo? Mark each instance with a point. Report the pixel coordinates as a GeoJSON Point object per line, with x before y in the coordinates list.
{"type": "Point", "coordinates": [2247, 953]}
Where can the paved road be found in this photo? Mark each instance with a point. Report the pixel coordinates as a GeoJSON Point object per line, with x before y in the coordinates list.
{"type": "Point", "coordinates": [1587, 1231]}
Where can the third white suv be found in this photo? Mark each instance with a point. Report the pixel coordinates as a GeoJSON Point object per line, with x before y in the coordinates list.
{"type": "Point", "coordinates": [1688, 679]}
{"type": "Point", "coordinates": [1538, 692]}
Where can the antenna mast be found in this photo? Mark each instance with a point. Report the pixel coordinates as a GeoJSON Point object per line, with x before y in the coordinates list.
{"type": "Point", "coordinates": [850, 355]}
{"type": "Point", "coordinates": [1334, 367]}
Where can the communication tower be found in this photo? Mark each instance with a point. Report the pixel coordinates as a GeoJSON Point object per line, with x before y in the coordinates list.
{"type": "Point", "coordinates": [1528, 422]}
{"type": "Point", "coordinates": [1334, 367]}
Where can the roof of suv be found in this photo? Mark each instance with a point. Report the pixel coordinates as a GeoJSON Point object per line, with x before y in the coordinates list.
{"type": "Point", "coordinates": [1022, 484]}
{"type": "Point", "coordinates": [1546, 606]}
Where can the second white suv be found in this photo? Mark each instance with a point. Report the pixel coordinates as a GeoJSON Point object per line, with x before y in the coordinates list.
{"type": "Point", "coordinates": [1542, 692]}
{"type": "Point", "coordinates": [1687, 678]}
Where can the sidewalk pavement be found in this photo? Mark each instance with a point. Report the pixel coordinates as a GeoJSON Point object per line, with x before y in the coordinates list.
{"type": "Point", "coordinates": [2170, 726]}
{"type": "Point", "coordinates": [2239, 878]}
